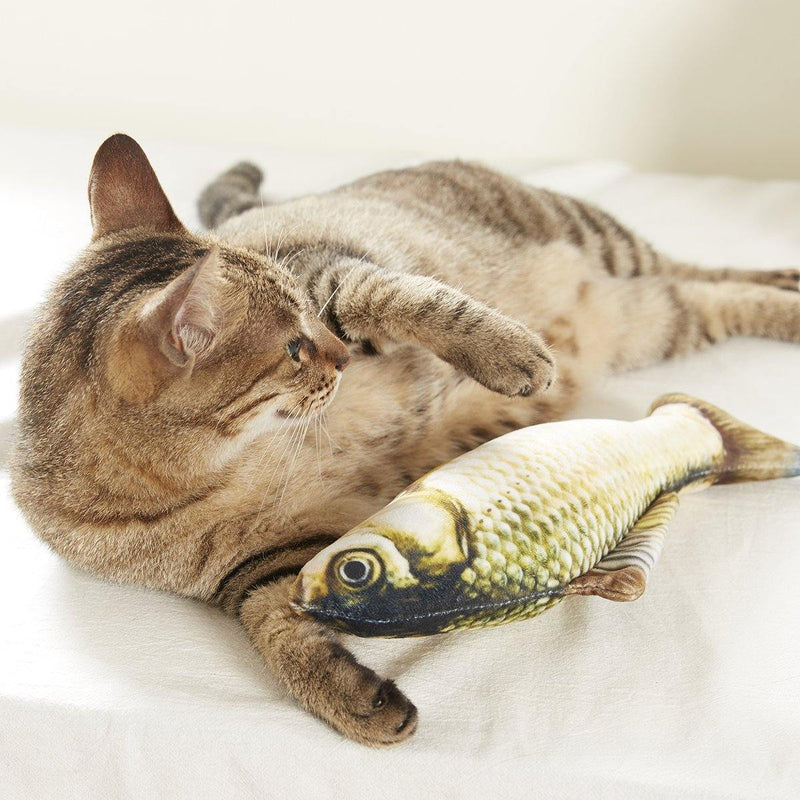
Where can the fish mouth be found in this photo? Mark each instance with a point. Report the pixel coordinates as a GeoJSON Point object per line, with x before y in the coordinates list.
{"type": "Point", "coordinates": [377, 619]}
{"type": "Point", "coordinates": [397, 628]}
{"type": "Point", "coordinates": [308, 600]}
{"type": "Point", "coordinates": [385, 621]}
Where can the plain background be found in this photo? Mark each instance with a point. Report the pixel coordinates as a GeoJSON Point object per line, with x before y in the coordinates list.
{"type": "Point", "coordinates": [677, 85]}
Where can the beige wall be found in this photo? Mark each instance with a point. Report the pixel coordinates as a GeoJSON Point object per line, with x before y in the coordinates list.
{"type": "Point", "coordinates": [690, 85]}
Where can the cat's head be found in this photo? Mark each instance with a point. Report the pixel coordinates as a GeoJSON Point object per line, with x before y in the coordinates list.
{"type": "Point", "coordinates": [159, 324]}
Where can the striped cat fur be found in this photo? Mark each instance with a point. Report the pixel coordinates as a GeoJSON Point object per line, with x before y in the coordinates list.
{"type": "Point", "coordinates": [187, 422]}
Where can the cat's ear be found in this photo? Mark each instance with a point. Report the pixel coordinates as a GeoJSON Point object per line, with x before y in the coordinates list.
{"type": "Point", "coordinates": [124, 191]}
{"type": "Point", "coordinates": [184, 319]}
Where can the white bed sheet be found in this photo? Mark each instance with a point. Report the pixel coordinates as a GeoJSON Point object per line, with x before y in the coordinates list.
{"type": "Point", "coordinates": [693, 691]}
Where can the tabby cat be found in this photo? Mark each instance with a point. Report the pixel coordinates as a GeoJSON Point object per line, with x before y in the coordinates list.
{"type": "Point", "coordinates": [178, 428]}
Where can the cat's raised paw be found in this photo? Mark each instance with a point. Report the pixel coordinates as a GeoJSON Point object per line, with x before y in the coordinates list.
{"type": "Point", "coordinates": [508, 359]}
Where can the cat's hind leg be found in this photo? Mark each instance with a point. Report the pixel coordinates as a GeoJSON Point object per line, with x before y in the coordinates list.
{"type": "Point", "coordinates": [714, 312]}
{"type": "Point", "coordinates": [779, 278]}
{"type": "Point", "coordinates": [640, 321]}
{"type": "Point", "coordinates": [234, 191]}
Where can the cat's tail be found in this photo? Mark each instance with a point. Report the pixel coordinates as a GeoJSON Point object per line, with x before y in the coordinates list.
{"type": "Point", "coordinates": [229, 194]}
{"type": "Point", "coordinates": [750, 454]}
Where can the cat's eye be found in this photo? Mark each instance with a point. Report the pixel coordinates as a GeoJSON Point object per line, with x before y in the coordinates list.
{"type": "Point", "coordinates": [358, 569]}
{"type": "Point", "coordinates": [293, 349]}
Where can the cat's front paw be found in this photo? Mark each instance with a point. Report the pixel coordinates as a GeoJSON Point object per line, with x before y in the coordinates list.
{"type": "Point", "coordinates": [322, 675]}
{"type": "Point", "coordinates": [507, 358]}
{"type": "Point", "coordinates": [362, 705]}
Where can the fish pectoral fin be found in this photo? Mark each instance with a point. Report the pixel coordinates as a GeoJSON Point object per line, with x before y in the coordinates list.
{"type": "Point", "coordinates": [622, 575]}
{"type": "Point", "coordinates": [621, 585]}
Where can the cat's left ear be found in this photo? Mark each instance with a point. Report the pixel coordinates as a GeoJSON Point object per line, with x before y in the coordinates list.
{"type": "Point", "coordinates": [124, 191]}
{"type": "Point", "coordinates": [184, 319]}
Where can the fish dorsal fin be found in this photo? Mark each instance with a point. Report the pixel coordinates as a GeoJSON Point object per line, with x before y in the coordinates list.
{"type": "Point", "coordinates": [622, 574]}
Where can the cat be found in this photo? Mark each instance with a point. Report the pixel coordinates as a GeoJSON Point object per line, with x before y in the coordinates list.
{"type": "Point", "coordinates": [171, 379]}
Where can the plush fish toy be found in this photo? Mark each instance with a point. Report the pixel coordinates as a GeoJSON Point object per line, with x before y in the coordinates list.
{"type": "Point", "coordinates": [509, 529]}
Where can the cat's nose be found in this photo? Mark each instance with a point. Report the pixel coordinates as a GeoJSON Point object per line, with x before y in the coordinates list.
{"type": "Point", "coordinates": [342, 360]}
{"type": "Point", "coordinates": [336, 353]}
{"type": "Point", "coordinates": [333, 349]}
{"type": "Point", "coordinates": [327, 347]}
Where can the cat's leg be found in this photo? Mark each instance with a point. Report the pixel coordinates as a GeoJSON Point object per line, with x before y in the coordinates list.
{"type": "Point", "coordinates": [721, 310]}
{"type": "Point", "coordinates": [616, 250]}
{"type": "Point", "coordinates": [779, 278]}
{"type": "Point", "coordinates": [364, 302]}
{"type": "Point", "coordinates": [656, 319]}
{"type": "Point", "coordinates": [320, 674]}
{"type": "Point", "coordinates": [229, 194]}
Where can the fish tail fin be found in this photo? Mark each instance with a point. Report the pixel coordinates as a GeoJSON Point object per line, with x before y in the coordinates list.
{"type": "Point", "coordinates": [750, 454]}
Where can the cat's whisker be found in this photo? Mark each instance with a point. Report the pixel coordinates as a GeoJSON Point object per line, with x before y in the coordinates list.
{"type": "Point", "coordinates": [288, 471]}
{"type": "Point", "coordinates": [284, 234]}
{"type": "Point", "coordinates": [286, 477]}
{"type": "Point", "coordinates": [283, 445]}
{"type": "Point", "coordinates": [316, 446]}
{"type": "Point", "coordinates": [273, 254]}
{"type": "Point", "coordinates": [268, 452]}
{"type": "Point", "coordinates": [290, 257]}
{"type": "Point", "coordinates": [341, 283]}
{"type": "Point", "coordinates": [319, 445]}
{"type": "Point", "coordinates": [287, 447]}
{"type": "Point", "coordinates": [288, 444]}
{"type": "Point", "coordinates": [275, 449]}
{"type": "Point", "coordinates": [263, 219]}
{"type": "Point", "coordinates": [324, 422]}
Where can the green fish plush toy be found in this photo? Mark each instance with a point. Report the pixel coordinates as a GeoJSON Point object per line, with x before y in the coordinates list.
{"type": "Point", "coordinates": [509, 529]}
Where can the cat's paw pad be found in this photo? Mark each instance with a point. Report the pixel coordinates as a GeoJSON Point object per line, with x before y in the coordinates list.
{"type": "Point", "coordinates": [367, 708]}
{"type": "Point", "coordinates": [390, 717]}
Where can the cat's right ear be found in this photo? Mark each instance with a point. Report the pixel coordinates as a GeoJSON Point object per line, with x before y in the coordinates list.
{"type": "Point", "coordinates": [184, 319]}
{"type": "Point", "coordinates": [124, 191]}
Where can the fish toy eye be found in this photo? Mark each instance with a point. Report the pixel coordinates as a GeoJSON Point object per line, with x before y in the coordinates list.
{"type": "Point", "coordinates": [358, 569]}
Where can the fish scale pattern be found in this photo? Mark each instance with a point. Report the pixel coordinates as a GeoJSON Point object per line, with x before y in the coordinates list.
{"type": "Point", "coordinates": [542, 506]}
{"type": "Point", "coordinates": [544, 510]}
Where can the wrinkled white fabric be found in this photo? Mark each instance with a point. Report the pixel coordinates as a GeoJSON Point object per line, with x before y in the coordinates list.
{"type": "Point", "coordinates": [691, 692]}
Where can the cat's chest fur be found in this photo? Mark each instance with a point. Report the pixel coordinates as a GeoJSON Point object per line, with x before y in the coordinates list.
{"type": "Point", "coordinates": [395, 417]}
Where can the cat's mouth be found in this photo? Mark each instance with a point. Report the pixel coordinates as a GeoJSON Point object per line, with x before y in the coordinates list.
{"type": "Point", "coordinates": [312, 403]}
